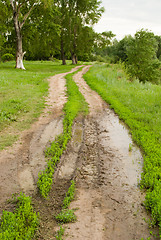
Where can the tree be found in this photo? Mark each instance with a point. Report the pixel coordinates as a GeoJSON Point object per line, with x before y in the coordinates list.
{"type": "Point", "coordinates": [142, 61]}
{"type": "Point", "coordinates": [102, 42]}
{"type": "Point", "coordinates": [5, 13]}
{"type": "Point", "coordinates": [41, 33]}
{"type": "Point", "coordinates": [103, 39]}
{"type": "Point", "coordinates": [74, 15]}
{"type": "Point", "coordinates": [85, 43]}
{"type": "Point", "coordinates": [158, 38]}
{"type": "Point", "coordinates": [21, 10]}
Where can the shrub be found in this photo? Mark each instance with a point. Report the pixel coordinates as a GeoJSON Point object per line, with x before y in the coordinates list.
{"type": "Point", "coordinates": [142, 61]}
{"type": "Point", "coordinates": [7, 57]}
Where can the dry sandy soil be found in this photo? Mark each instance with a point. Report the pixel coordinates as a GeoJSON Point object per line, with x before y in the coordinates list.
{"type": "Point", "coordinates": [108, 201]}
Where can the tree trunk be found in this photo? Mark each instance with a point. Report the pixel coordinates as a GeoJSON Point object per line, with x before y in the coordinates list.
{"type": "Point", "coordinates": [63, 53]}
{"type": "Point", "coordinates": [76, 59]}
{"type": "Point", "coordinates": [19, 53]}
{"type": "Point", "coordinates": [73, 58]}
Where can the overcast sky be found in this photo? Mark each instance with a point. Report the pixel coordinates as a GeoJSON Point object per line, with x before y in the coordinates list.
{"type": "Point", "coordinates": [124, 17]}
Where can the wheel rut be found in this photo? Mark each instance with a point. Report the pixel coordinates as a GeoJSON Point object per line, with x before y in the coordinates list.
{"type": "Point", "coordinates": [108, 201]}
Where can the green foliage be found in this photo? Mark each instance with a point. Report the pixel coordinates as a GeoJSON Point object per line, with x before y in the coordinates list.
{"type": "Point", "coordinates": [41, 33]}
{"type": "Point", "coordinates": [76, 104]}
{"type": "Point", "coordinates": [139, 106]}
{"type": "Point", "coordinates": [103, 39]}
{"type": "Point", "coordinates": [66, 216]}
{"type": "Point", "coordinates": [7, 57]}
{"type": "Point", "coordinates": [48, 27]}
{"type": "Point", "coordinates": [19, 225]}
{"type": "Point", "coordinates": [153, 203]}
{"type": "Point", "coordinates": [60, 233]}
{"type": "Point", "coordinates": [69, 195]}
{"type": "Point", "coordinates": [77, 39]}
{"type": "Point", "coordinates": [142, 60]}
{"type": "Point", "coordinates": [158, 38]}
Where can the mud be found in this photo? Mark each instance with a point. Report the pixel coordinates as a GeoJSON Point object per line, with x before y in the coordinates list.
{"type": "Point", "coordinates": [20, 164]}
{"type": "Point", "coordinates": [108, 201]}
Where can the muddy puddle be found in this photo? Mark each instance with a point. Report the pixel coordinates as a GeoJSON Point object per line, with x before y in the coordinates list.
{"type": "Point", "coordinates": [108, 200]}
{"type": "Point", "coordinates": [120, 139]}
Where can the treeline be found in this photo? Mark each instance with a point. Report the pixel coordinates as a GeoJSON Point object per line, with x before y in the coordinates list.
{"type": "Point", "coordinates": [45, 29]}
{"type": "Point", "coordinates": [141, 55]}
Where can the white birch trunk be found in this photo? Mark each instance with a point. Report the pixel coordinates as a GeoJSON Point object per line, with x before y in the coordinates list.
{"type": "Point", "coordinates": [19, 61]}
{"type": "Point", "coordinates": [18, 26]}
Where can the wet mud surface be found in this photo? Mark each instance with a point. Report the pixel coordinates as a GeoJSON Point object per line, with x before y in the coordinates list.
{"type": "Point", "coordinates": [108, 201]}
{"type": "Point", "coordinates": [20, 164]}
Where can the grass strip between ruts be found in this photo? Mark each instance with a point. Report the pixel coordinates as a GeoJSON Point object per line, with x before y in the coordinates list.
{"type": "Point", "coordinates": [66, 215]}
{"type": "Point", "coordinates": [124, 97]}
{"type": "Point", "coordinates": [76, 104]}
{"type": "Point", "coordinates": [23, 223]}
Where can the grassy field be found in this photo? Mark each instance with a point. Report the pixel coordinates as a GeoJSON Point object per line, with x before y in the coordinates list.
{"type": "Point", "coordinates": [139, 105]}
{"type": "Point", "coordinates": [22, 95]}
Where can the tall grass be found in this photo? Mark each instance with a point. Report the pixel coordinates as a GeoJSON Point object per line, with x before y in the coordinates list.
{"type": "Point", "coordinates": [139, 105]}
{"type": "Point", "coordinates": [22, 96]}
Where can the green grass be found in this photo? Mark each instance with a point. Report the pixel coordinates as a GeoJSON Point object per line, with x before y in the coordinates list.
{"type": "Point", "coordinates": [66, 215]}
{"type": "Point", "coordinates": [69, 195]}
{"type": "Point", "coordinates": [22, 96]}
{"type": "Point", "coordinates": [75, 105]}
{"type": "Point", "coordinates": [60, 233]}
{"type": "Point", "coordinates": [139, 105]}
{"type": "Point", "coordinates": [21, 224]}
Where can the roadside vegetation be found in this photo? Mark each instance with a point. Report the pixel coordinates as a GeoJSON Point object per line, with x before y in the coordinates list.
{"type": "Point", "coordinates": [22, 96]}
{"type": "Point", "coordinates": [66, 215]}
{"type": "Point", "coordinates": [139, 105]}
{"type": "Point", "coordinates": [20, 224]}
{"type": "Point", "coordinates": [75, 105]}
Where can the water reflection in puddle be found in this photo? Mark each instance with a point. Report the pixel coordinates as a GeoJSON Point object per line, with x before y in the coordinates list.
{"type": "Point", "coordinates": [120, 139]}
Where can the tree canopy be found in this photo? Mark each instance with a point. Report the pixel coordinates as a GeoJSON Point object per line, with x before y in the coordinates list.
{"type": "Point", "coordinates": [41, 29]}
{"type": "Point", "coordinates": [142, 61]}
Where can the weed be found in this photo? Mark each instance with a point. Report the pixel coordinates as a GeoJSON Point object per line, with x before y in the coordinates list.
{"type": "Point", "coordinates": [19, 225]}
{"type": "Point", "coordinates": [130, 147]}
{"type": "Point", "coordinates": [66, 216]}
{"type": "Point", "coordinates": [60, 233]}
{"type": "Point", "coordinates": [69, 195]}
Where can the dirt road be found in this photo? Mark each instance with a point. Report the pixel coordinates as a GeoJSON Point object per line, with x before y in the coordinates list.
{"type": "Point", "coordinates": [108, 200]}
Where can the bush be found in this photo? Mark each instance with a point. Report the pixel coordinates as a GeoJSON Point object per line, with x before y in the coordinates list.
{"type": "Point", "coordinates": [142, 60]}
{"type": "Point", "coordinates": [7, 57]}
